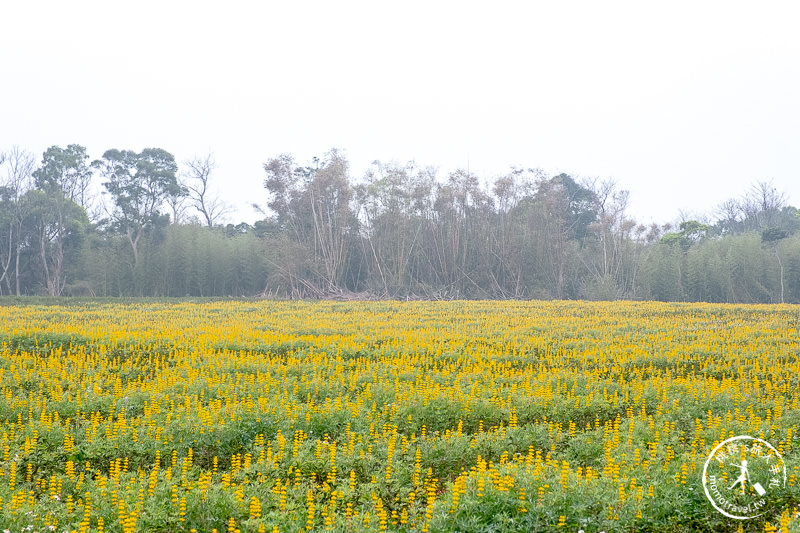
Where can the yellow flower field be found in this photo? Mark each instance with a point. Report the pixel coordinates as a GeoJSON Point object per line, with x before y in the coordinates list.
{"type": "Point", "coordinates": [395, 416]}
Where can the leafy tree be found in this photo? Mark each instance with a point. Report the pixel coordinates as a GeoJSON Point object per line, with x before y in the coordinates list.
{"type": "Point", "coordinates": [139, 184]}
{"type": "Point", "coordinates": [66, 169]}
{"type": "Point", "coordinates": [691, 232]}
{"type": "Point", "coordinates": [52, 221]}
{"type": "Point", "coordinates": [566, 212]}
{"type": "Point", "coordinates": [63, 179]}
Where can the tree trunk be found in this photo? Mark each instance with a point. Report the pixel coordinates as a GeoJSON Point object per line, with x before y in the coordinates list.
{"type": "Point", "coordinates": [135, 246]}
{"type": "Point", "coordinates": [16, 268]}
{"type": "Point", "coordinates": [780, 264]}
{"type": "Point", "coordinates": [7, 264]}
{"type": "Point", "coordinates": [43, 252]}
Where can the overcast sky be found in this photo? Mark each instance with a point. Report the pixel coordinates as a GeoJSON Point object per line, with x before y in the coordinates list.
{"type": "Point", "coordinates": [685, 104]}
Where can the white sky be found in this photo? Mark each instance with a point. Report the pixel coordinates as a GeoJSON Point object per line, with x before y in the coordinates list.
{"type": "Point", "coordinates": [685, 104]}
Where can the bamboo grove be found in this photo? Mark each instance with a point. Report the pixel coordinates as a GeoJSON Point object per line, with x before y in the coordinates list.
{"type": "Point", "coordinates": [297, 416]}
{"type": "Point", "coordinates": [399, 231]}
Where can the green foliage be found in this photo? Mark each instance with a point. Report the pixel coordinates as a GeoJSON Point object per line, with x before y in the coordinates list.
{"type": "Point", "coordinates": [66, 170]}
{"type": "Point", "coordinates": [773, 234]}
{"type": "Point", "coordinates": [398, 233]}
{"type": "Point", "coordinates": [138, 183]}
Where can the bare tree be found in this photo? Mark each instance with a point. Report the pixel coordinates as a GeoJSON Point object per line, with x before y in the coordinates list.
{"type": "Point", "coordinates": [391, 213]}
{"type": "Point", "coordinates": [611, 226]}
{"type": "Point", "coordinates": [6, 221]}
{"type": "Point", "coordinates": [329, 194]}
{"type": "Point", "coordinates": [311, 204]}
{"type": "Point", "coordinates": [19, 166]}
{"type": "Point", "coordinates": [730, 216]}
{"type": "Point", "coordinates": [763, 203]}
{"type": "Point", "coordinates": [758, 209]}
{"type": "Point", "coordinates": [207, 204]}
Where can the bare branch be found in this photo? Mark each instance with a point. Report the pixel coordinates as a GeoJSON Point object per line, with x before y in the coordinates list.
{"type": "Point", "coordinates": [198, 175]}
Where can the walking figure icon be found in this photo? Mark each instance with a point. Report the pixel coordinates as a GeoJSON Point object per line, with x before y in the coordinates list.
{"type": "Point", "coordinates": [744, 476]}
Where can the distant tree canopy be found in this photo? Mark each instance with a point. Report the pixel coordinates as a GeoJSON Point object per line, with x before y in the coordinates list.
{"type": "Point", "coordinates": [397, 232]}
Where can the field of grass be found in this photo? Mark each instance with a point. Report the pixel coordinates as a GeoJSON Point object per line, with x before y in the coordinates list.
{"type": "Point", "coordinates": [372, 416]}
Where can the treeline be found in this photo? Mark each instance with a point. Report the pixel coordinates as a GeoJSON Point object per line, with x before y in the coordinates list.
{"type": "Point", "coordinates": [398, 232]}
